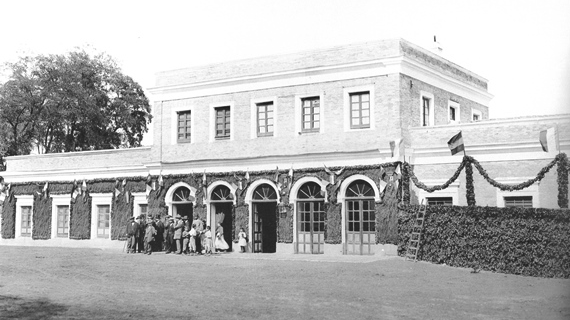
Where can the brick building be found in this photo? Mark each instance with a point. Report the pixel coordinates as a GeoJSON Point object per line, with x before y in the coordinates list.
{"type": "Point", "coordinates": [294, 115]}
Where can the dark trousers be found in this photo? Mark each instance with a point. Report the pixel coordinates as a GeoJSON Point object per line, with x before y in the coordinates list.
{"type": "Point", "coordinates": [147, 247]}
{"type": "Point", "coordinates": [168, 242]}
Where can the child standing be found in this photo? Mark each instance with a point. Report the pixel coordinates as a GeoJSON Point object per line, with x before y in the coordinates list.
{"type": "Point", "coordinates": [208, 240]}
{"type": "Point", "coordinates": [192, 235]}
{"type": "Point", "coordinates": [242, 240]}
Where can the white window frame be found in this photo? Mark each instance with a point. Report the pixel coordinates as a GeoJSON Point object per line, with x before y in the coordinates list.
{"type": "Point", "coordinates": [478, 113]}
{"type": "Point", "coordinates": [100, 199]}
{"type": "Point", "coordinates": [174, 124]}
{"type": "Point", "coordinates": [450, 192]}
{"type": "Point", "coordinates": [299, 113]}
{"type": "Point", "coordinates": [23, 201]}
{"type": "Point", "coordinates": [530, 191]}
{"type": "Point", "coordinates": [431, 97]}
{"type": "Point", "coordinates": [456, 106]}
{"type": "Point", "coordinates": [138, 199]}
{"type": "Point", "coordinates": [60, 200]}
{"type": "Point", "coordinates": [213, 107]}
{"type": "Point", "coordinates": [253, 107]}
{"type": "Point", "coordinates": [346, 105]}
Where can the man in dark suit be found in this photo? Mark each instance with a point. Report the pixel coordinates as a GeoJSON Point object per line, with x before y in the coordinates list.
{"type": "Point", "coordinates": [140, 240]}
{"type": "Point", "coordinates": [133, 235]}
{"type": "Point", "coordinates": [159, 226]}
{"type": "Point", "coordinates": [169, 234]}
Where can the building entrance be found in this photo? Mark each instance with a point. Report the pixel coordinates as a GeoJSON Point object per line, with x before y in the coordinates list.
{"type": "Point", "coordinates": [221, 211]}
{"type": "Point", "coordinates": [310, 219]}
{"type": "Point", "coordinates": [264, 220]}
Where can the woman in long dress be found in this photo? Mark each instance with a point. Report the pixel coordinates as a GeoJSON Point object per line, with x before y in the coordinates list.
{"type": "Point", "coordinates": [220, 244]}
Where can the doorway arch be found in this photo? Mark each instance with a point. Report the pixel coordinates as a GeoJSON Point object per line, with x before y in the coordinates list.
{"type": "Point", "coordinates": [180, 200]}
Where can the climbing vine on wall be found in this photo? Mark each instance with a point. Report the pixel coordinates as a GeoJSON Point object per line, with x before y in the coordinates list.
{"type": "Point", "coordinates": [9, 218]}
{"type": "Point", "coordinates": [80, 218]}
{"type": "Point", "coordinates": [41, 217]}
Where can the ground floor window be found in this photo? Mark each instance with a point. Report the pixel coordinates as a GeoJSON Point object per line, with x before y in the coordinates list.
{"type": "Point", "coordinates": [63, 221]}
{"type": "Point", "coordinates": [439, 201]}
{"type": "Point", "coordinates": [26, 229]}
{"type": "Point", "coordinates": [103, 221]}
{"type": "Point", "coordinates": [520, 202]}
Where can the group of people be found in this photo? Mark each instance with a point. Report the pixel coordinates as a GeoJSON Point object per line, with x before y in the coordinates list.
{"type": "Point", "coordinates": [176, 235]}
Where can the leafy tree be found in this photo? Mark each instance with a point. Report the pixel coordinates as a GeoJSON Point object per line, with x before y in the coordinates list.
{"type": "Point", "coordinates": [63, 103]}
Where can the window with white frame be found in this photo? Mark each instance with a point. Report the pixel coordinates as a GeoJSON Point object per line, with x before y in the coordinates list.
{"type": "Point", "coordinates": [24, 212]}
{"type": "Point", "coordinates": [427, 116]}
{"type": "Point", "coordinates": [310, 114]}
{"type": "Point", "coordinates": [140, 205]}
{"type": "Point", "coordinates": [448, 196]}
{"type": "Point", "coordinates": [453, 112]}
{"type": "Point", "coordinates": [26, 224]}
{"type": "Point", "coordinates": [222, 122]}
{"type": "Point", "coordinates": [103, 214]}
{"type": "Point", "coordinates": [184, 126]}
{"type": "Point", "coordinates": [518, 202]}
{"type": "Point", "coordinates": [265, 117]}
{"type": "Point", "coordinates": [439, 201]}
{"type": "Point", "coordinates": [359, 108]}
{"type": "Point", "coordinates": [62, 221]}
{"type": "Point", "coordinates": [525, 198]}
{"type": "Point", "coordinates": [476, 115]}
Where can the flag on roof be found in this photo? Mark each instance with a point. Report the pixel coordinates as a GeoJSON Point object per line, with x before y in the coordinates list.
{"type": "Point", "coordinates": [456, 144]}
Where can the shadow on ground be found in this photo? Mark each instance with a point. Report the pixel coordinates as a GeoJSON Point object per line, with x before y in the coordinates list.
{"type": "Point", "coordinates": [12, 307]}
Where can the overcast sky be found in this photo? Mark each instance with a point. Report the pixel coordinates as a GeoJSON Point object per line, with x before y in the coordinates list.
{"type": "Point", "coordinates": [521, 47]}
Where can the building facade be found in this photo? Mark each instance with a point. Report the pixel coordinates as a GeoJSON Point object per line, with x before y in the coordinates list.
{"type": "Point", "coordinates": [289, 148]}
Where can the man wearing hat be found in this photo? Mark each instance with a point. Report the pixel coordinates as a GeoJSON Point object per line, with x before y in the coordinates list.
{"type": "Point", "coordinates": [199, 226]}
{"type": "Point", "coordinates": [178, 226]}
{"type": "Point", "coordinates": [159, 226]}
{"type": "Point", "coordinates": [168, 234]}
{"type": "Point", "coordinates": [133, 234]}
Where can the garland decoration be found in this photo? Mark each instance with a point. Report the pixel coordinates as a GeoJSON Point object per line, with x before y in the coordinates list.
{"type": "Point", "coordinates": [422, 186]}
{"type": "Point", "coordinates": [562, 179]}
{"type": "Point", "coordinates": [507, 187]}
{"type": "Point", "coordinates": [470, 194]}
{"type": "Point", "coordinates": [406, 184]}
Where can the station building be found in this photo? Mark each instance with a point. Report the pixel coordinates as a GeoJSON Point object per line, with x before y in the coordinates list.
{"type": "Point", "coordinates": [289, 147]}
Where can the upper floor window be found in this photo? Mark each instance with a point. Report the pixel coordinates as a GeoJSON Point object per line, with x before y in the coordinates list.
{"type": "Point", "coordinates": [222, 122]}
{"type": "Point", "coordinates": [103, 221]}
{"type": "Point", "coordinates": [26, 226]}
{"type": "Point", "coordinates": [311, 116]}
{"type": "Point", "coordinates": [63, 221]}
{"type": "Point", "coordinates": [453, 112]}
{"type": "Point", "coordinates": [184, 126]}
{"type": "Point", "coordinates": [360, 110]}
{"type": "Point", "coordinates": [520, 202]}
{"type": "Point", "coordinates": [265, 119]}
{"type": "Point", "coordinates": [476, 115]}
{"type": "Point", "coordinates": [427, 109]}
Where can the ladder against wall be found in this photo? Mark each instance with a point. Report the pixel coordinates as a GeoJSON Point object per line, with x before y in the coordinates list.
{"type": "Point", "coordinates": [416, 236]}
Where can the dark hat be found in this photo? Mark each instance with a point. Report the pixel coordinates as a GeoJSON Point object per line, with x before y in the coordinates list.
{"type": "Point", "coordinates": [131, 218]}
{"type": "Point", "coordinates": [178, 216]}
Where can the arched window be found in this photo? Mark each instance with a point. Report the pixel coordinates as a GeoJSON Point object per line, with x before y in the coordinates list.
{"type": "Point", "coordinates": [264, 192]}
{"type": "Point", "coordinates": [359, 189]}
{"type": "Point", "coordinates": [310, 190]}
{"type": "Point", "coordinates": [222, 193]}
{"type": "Point", "coordinates": [182, 194]}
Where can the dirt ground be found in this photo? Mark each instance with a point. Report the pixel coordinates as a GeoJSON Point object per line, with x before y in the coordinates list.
{"type": "Point", "coordinates": [65, 283]}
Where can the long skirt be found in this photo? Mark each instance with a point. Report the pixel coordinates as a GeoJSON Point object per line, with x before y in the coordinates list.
{"type": "Point", "coordinates": [220, 243]}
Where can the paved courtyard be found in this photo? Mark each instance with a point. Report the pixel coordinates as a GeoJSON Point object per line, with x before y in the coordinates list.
{"type": "Point", "coordinates": [71, 283]}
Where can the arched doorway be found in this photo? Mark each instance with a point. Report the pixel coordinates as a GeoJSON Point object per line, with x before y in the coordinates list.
{"type": "Point", "coordinates": [221, 211]}
{"type": "Point", "coordinates": [360, 223]}
{"type": "Point", "coordinates": [264, 219]}
{"type": "Point", "coordinates": [310, 219]}
{"type": "Point", "coordinates": [182, 203]}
